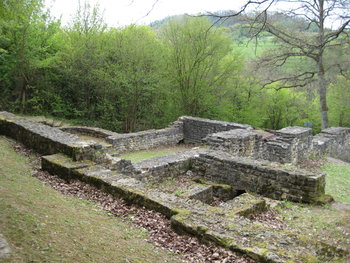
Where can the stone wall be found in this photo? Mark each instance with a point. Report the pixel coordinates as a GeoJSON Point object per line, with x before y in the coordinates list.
{"type": "Point", "coordinates": [334, 142]}
{"type": "Point", "coordinates": [147, 139]}
{"type": "Point", "coordinates": [196, 129]}
{"type": "Point", "coordinates": [260, 177]}
{"type": "Point", "coordinates": [43, 138]}
{"type": "Point", "coordinates": [158, 168]}
{"type": "Point", "coordinates": [289, 145]}
{"type": "Point", "coordinates": [90, 131]}
{"type": "Point", "coordinates": [243, 174]}
{"type": "Point", "coordinates": [238, 142]}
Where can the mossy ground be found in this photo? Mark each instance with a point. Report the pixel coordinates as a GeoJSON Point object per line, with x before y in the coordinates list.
{"type": "Point", "coordinates": [42, 225]}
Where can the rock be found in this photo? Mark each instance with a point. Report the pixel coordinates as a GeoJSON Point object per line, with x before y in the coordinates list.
{"type": "Point", "coordinates": [189, 173]}
{"type": "Point", "coordinates": [4, 248]}
{"type": "Point", "coordinates": [215, 255]}
{"type": "Point", "coordinates": [273, 257]}
{"type": "Point", "coordinates": [284, 242]}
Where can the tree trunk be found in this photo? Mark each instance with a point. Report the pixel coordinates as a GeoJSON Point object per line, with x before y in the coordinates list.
{"type": "Point", "coordinates": [322, 84]}
{"type": "Point", "coordinates": [322, 90]}
{"type": "Point", "coordinates": [23, 100]}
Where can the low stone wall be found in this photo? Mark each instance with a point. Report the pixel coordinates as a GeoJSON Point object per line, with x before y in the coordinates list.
{"type": "Point", "coordinates": [260, 177]}
{"type": "Point", "coordinates": [224, 225]}
{"type": "Point", "coordinates": [334, 142]}
{"type": "Point", "coordinates": [289, 145]}
{"type": "Point", "coordinates": [162, 167]}
{"type": "Point", "coordinates": [196, 129]}
{"type": "Point", "coordinates": [238, 142]}
{"type": "Point", "coordinates": [241, 173]}
{"type": "Point", "coordinates": [90, 131]}
{"type": "Point", "coordinates": [147, 139]}
{"type": "Point", "coordinates": [44, 139]}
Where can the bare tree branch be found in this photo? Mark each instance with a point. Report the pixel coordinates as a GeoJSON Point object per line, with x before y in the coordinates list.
{"type": "Point", "coordinates": [300, 80]}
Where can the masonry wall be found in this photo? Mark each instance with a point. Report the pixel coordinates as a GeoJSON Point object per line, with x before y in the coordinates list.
{"type": "Point", "coordinates": [289, 145]}
{"type": "Point", "coordinates": [149, 139]}
{"type": "Point", "coordinates": [42, 138]}
{"type": "Point", "coordinates": [90, 131]}
{"type": "Point", "coordinates": [259, 177]}
{"type": "Point", "coordinates": [196, 129]}
{"type": "Point", "coordinates": [238, 142]}
{"type": "Point", "coordinates": [334, 142]}
{"type": "Point", "coordinates": [158, 168]}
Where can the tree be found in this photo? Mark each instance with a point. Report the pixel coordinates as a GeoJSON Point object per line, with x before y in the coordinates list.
{"type": "Point", "coordinates": [82, 61]}
{"type": "Point", "coordinates": [24, 48]}
{"type": "Point", "coordinates": [200, 62]}
{"type": "Point", "coordinates": [135, 57]}
{"type": "Point", "coordinates": [339, 99]}
{"type": "Point", "coordinates": [309, 41]}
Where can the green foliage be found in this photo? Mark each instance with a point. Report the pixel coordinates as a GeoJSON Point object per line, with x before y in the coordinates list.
{"type": "Point", "coordinates": [339, 102]}
{"type": "Point", "coordinates": [26, 34]}
{"type": "Point", "coordinates": [135, 78]}
{"type": "Point", "coordinates": [200, 64]}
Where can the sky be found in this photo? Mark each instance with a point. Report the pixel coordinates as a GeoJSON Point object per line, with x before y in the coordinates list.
{"type": "Point", "coordinates": [125, 12]}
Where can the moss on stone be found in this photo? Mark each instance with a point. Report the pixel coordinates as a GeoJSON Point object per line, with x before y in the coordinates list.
{"type": "Point", "coordinates": [217, 238]}
{"type": "Point", "coordinates": [181, 214]}
{"type": "Point", "coordinates": [323, 199]}
{"type": "Point", "coordinates": [309, 258]}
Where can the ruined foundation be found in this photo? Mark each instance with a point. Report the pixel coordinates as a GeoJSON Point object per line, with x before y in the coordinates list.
{"type": "Point", "coordinates": [220, 184]}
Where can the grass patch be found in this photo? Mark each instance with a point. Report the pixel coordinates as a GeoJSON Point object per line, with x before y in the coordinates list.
{"type": "Point", "coordinates": [147, 154]}
{"type": "Point", "coordinates": [320, 223]}
{"type": "Point", "coordinates": [42, 225]}
{"type": "Point", "coordinates": [328, 224]}
{"type": "Point", "coordinates": [338, 181]}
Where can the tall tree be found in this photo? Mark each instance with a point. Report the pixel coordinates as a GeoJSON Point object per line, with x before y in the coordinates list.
{"type": "Point", "coordinates": [135, 57]}
{"type": "Point", "coordinates": [83, 60]}
{"type": "Point", "coordinates": [200, 62]}
{"type": "Point", "coordinates": [310, 40]}
{"type": "Point", "coordinates": [24, 45]}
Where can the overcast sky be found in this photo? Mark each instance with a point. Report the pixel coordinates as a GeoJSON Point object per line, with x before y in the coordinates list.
{"type": "Point", "coordinates": [125, 12]}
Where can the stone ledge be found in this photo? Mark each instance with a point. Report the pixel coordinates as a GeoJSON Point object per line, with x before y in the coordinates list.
{"type": "Point", "coordinates": [44, 139]}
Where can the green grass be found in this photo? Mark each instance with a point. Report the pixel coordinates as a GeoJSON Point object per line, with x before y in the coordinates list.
{"type": "Point", "coordinates": [338, 181]}
{"type": "Point", "coordinates": [325, 223]}
{"type": "Point", "coordinates": [322, 223]}
{"type": "Point", "coordinates": [147, 154]}
{"type": "Point", "coordinates": [42, 225]}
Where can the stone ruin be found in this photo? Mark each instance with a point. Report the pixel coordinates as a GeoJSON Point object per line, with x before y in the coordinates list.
{"type": "Point", "coordinates": [230, 174]}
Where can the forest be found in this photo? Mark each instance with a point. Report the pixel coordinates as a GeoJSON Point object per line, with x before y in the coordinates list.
{"type": "Point", "coordinates": [269, 70]}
